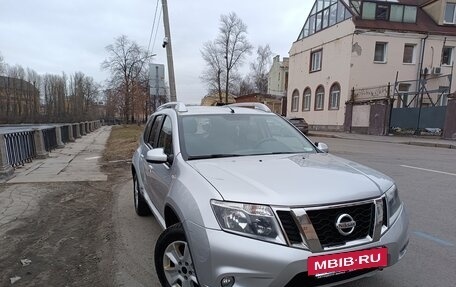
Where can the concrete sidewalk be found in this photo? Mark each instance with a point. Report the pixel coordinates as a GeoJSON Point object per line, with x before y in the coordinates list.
{"type": "Point", "coordinates": [410, 140]}
{"type": "Point", "coordinates": [77, 161]}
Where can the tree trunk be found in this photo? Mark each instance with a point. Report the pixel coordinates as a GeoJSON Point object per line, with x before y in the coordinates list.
{"type": "Point", "coordinates": [219, 85]}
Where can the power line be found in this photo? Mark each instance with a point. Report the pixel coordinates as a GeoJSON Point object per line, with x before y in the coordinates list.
{"type": "Point", "coordinates": [156, 30]}
{"type": "Point", "coordinates": [153, 27]}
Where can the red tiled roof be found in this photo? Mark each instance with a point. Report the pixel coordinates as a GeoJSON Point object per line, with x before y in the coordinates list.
{"type": "Point", "coordinates": [424, 24]}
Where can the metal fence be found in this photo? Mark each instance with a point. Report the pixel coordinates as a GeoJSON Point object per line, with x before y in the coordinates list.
{"type": "Point", "coordinates": [50, 139]}
{"type": "Point", "coordinates": [20, 147]}
{"type": "Point", "coordinates": [65, 134]}
{"type": "Point", "coordinates": [75, 132]}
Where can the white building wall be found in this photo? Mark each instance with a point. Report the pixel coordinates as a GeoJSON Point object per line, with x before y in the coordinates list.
{"type": "Point", "coordinates": [336, 43]}
{"type": "Point", "coordinates": [365, 73]}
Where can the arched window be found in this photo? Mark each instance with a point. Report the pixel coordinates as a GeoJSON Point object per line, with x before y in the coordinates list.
{"type": "Point", "coordinates": [306, 99]}
{"type": "Point", "coordinates": [319, 98]}
{"type": "Point", "coordinates": [295, 101]}
{"type": "Point", "coordinates": [334, 97]}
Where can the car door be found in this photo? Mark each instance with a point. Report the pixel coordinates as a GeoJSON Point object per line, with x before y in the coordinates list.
{"type": "Point", "coordinates": [159, 174]}
{"type": "Point", "coordinates": [146, 168]}
{"type": "Point", "coordinates": [144, 148]}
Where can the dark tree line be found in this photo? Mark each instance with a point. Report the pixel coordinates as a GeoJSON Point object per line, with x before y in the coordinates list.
{"type": "Point", "coordinates": [27, 97]}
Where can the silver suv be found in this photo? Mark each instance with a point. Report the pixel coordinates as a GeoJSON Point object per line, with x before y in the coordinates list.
{"type": "Point", "coordinates": [245, 199]}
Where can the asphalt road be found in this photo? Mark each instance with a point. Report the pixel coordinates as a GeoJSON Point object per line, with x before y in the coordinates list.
{"type": "Point", "coordinates": [425, 176]}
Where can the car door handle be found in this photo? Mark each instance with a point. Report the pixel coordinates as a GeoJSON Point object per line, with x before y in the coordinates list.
{"type": "Point", "coordinates": [141, 155]}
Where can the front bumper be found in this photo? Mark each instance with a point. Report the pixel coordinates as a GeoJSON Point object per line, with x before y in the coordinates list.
{"type": "Point", "coordinates": [253, 263]}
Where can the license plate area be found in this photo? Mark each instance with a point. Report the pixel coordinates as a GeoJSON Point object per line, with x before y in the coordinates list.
{"type": "Point", "coordinates": [334, 264]}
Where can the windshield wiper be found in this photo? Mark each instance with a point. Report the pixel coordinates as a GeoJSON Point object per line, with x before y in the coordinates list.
{"type": "Point", "coordinates": [207, 156]}
{"type": "Point", "coordinates": [280, 152]}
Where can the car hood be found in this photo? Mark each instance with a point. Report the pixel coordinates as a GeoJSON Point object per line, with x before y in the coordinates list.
{"type": "Point", "coordinates": [296, 180]}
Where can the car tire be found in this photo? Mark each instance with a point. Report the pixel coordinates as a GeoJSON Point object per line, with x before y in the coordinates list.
{"type": "Point", "coordinates": [173, 260]}
{"type": "Point", "coordinates": [141, 207]}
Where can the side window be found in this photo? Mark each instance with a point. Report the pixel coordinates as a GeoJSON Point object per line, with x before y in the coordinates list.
{"type": "Point", "coordinates": [166, 137]}
{"type": "Point", "coordinates": [152, 141]}
{"type": "Point", "coordinates": [147, 129]}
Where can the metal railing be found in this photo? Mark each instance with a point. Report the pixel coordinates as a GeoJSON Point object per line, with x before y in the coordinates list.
{"type": "Point", "coordinates": [65, 134]}
{"type": "Point", "coordinates": [50, 139]}
{"type": "Point", "coordinates": [75, 132]}
{"type": "Point", "coordinates": [20, 147]}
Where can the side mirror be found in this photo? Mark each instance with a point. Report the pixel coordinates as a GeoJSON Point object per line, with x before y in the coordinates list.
{"type": "Point", "coordinates": [322, 146]}
{"type": "Point", "coordinates": [156, 155]}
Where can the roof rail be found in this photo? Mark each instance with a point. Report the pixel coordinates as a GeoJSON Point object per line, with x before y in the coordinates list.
{"type": "Point", "coordinates": [257, 106]}
{"type": "Point", "coordinates": [177, 106]}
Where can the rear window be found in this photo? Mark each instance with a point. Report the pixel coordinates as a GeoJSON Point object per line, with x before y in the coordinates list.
{"type": "Point", "coordinates": [297, 121]}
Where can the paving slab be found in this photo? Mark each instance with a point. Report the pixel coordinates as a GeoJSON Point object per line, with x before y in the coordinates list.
{"type": "Point", "coordinates": [77, 161]}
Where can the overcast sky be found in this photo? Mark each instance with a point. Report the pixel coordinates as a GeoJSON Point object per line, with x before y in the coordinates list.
{"type": "Point", "coordinates": [52, 36]}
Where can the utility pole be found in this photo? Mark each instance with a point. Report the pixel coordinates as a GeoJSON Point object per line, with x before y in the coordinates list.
{"type": "Point", "coordinates": [169, 52]}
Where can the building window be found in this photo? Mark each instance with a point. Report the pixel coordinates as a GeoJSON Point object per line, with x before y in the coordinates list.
{"type": "Point", "coordinates": [450, 13]}
{"type": "Point", "coordinates": [388, 12]}
{"type": "Point", "coordinates": [324, 14]}
{"type": "Point", "coordinates": [334, 97]}
{"type": "Point", "coordinates": [382, 12]}
{"type": "Point", "coordinates": [447, 56]}
{"type": "Point", "coordinates": [315, 60]}
{"type": "Point", "coordinates": [369, 10]}
{"type": "Point", "coordinates": [380, 52]}
{"type": "Point", "coordinates": [295, 101]}
{"type": "Point", "coordinates": [319, 98]}
{"type": "Point", "coordinates": [409, 54]}
{"type": "Point", "coordinates": [409, 14]}
{"type": "Point", "coordinates": [306, 101]}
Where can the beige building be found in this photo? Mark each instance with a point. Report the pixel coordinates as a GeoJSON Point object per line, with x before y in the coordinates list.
{"type": "Point", "coordinates": [278, 77]}
{"type": "Point", "coordinates": [214, 100]}
{"type": "Point", "coordinates": [357, 47]}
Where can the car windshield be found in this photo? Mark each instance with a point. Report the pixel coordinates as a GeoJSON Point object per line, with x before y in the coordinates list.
{"type": "Point", "coordinates": [227, 135]}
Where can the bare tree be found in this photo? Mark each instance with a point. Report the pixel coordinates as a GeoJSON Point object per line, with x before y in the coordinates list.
{"type": "Point", "coordinates": [234, 44]}
{"type": "Point", "coordinates": [246, 86]}
{"type": "Point", "coordinates": [224, 55]}
{"type": "Point", "coordinates": [2, 65]}
{"type": "Point", "coordinates": [260, 69]}
{"type": "Point", "coordinates": [214, 71]}
{"type": "Point", "coordinates": [33, 104]}
{"type": "Point", "coordinates": [126, 61]}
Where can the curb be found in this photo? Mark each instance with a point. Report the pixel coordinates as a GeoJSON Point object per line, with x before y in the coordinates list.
{"type": "Point", "coordinates": [415, 143]}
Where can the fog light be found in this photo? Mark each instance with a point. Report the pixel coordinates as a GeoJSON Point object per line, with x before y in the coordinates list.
{"type": "Point", "coordinates": [227, 281]}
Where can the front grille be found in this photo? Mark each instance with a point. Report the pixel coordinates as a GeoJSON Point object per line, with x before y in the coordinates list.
{"type": "Point", "coordinates": [302, 279]}
{"type": "Point", "coordinates": [385, 214]}
{"type": "Point", "coordinates": [324, 223]}
{"type": "Point", "coordinates": [289, 226]}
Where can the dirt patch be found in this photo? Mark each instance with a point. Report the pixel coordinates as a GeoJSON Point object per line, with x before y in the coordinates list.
{"type": "Point", "coordinates": [68, 234]}
{"type": "Point", "coordinates": [67, 240]}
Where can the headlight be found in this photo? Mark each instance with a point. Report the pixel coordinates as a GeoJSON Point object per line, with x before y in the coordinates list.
{"type": "Point", "coordinates": [256, 221]}
{"type": "Point", "coordinates": [394, 203]}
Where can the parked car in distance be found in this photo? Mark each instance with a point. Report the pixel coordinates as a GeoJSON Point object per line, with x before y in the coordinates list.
{"type": "Point", "coordinates": [246, 200]}
{"type": "Point", "coordinates": [301, 124]}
